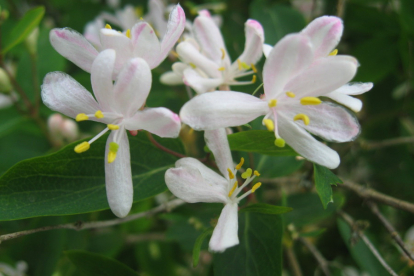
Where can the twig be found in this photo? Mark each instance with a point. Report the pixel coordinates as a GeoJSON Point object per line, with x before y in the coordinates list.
{"type": "Point", "coordinates": [145, 237]}
{"type": "Point", "coordinates": [369, 193]}
{"type": "Point", "coordinates": [340, 8]}
{"type": "Point", "coordinates": [293, 261]}
{"type": "Point", "coordinates": [350, 221]}
{"type": "Point", "coordinates": [369, 145]}
{"type": "Point", "coordinates": [35, 80]}
{"type": "Point", "coordinates": [161, 147]}
{"type": "Point", "coordinates": [390, 229]}
{"type": "Point", "coordinates": [318, 256]}
{"type": "Point", "coordinates": [257, 89]}
{"type": "Point", "coordinates": [96, 224]}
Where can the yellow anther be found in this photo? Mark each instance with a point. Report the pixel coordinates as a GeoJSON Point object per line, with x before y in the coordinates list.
{"type": "Point", "coordinates": [245, 65]}
{"type": "Point", "coordinates": [234, 188]}
{"type": "Point", "coordinates": [279, 142]}
{"type": "Point", "coordinates": [192, 65]}
{"type": "Point", "coordinates": [174, 53]}
{"type": "Point", "coordinates": [254, 79]}
{"type": "Point", "coordinates": [239, 63]}
{"type": "Point", "coordinates": [231, 175]}
{"type": "Point", "coordinates": [247, 173]}
{"type": "Point", "coordinates": [111, 156]}
{"type": "Point", "coordinates": [139, 11]}
{"type": "Point", "coordinates": [128, 33]}
{"type": "Point", "coordinates": [256, 186]}
{"type": "Point", "coordinates": [222, 68]}
{"type": "Point", "coordinates": [223, 53]}
{"type": "Point", "coordinates": [240, 164]}
{"type": "Point", "coordinates": [82, 147]}
{"type": "Point", "coordinates": [113, 149]}
{"type": "Point", "coordinates": [290, 94]}
{"type": "Point", "coordinates": [81, 117]}
{"type": "Point", "coordinates": [333, 53]}
{"type": "Point", "coordinates": [272, 103]}
{"type": "Point", "coordinates": [107, 26]}
{"type": "Point", "coordinates": [99, 114]}
{"type": "Point", "coordinates": [256, 173]}
{"type": "Point", "coordinates": [302, 117]}
{"type": "Point", "coordinates": [269, 124]}
{"type": "Point", "coordinates": [310, 101]}
{"type": "Point", "coordinates": [253, 68]}
{"type": "Point", "coordinates": [113, 127]}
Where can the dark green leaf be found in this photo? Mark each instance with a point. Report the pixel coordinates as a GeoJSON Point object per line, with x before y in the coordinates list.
{"type": "Point", "coordinates": [69, 183]}
{"type": "Point", "coordinates": [324, 178]}
{"type": "Point", "coordinates": [97, 265]}
{"type": "Point", "coordinates": [260, 141]}
{"type": "Point", "coordinates": [264, 208]}
{"type": "Point", "coordinates": [259, 251]}
{"type": "Point", "coordinates": [277, 166]}
{"type": "Point", "coordinates": [198, 244]}
{"type": "Point", "coordinates": [25, 26]}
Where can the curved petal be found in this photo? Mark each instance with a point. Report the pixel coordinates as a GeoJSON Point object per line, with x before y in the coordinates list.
{"type": "Point", "coordinates": [328, 121]}
{"type": "Point", "coordinates": [289, 57]}
{"type": "Point", "coordinates": [132, 87]}
{"type": "Point", "coordinates": [145, 42]}
{"type": "Point", "coordinates": [111, 39]}
{"type": "Point", "coordinates": [266, 49]}
{"type": "Point", "coordinates": [355, 88]}
{"type": "Point", "coordinates": [199, 83]}
{"type": "Point", "coordinates": [253, 47]}
{"type": "Point", "coordinates": [324, 33]}
{"type": "Point", "coordinates": [160, 121]}
{"type": "Point", "coordinates": [217, 142]}
{"type": "Point", "coordinates": [92, 30]}
{"type": "Point", "coordinates": [60, 92]}
{"type": "Point", "coordinates": [348, 101]}
{"type": "Point", "coordinates": [127, 17]}
{"type": "Point", "coordinates": [179, 67]}
{"type": "Point", "coordinates": [324, 76]}
{"type": "Point", "coordinates": [225, 233]}
{"type": "Point", "coordinates": [156, 16]}
{"type": "Point", "coordinates": [171, 78]}
{"type": "Point", "coordinates": [101, 78]}
{"type": "Point", "coordinates": [222, 109]}
{"type": "Point", "coordinates": [307, 146]}
{"type": "Point", "coordinates": [73, 46]}
{"type": "Point", "coordinates": [118, 178]}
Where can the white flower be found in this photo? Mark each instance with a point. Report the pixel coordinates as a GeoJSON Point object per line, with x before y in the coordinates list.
{"type": "Point", "coordinates": [205, 63]}
{"type": "Point", "coordinates": [193, 182]}
{"type": "Point", "coordinates": [141, 41]}
{"type": "Point", "coordinates": [120, 107]}
{"type": "Point", "coordinates": [7, 270]}
{"type": "Point", "coordinates": [293, 79]}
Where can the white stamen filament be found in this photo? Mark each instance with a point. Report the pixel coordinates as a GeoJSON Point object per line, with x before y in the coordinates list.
{"type": "Point", "coordinates": [98, 135]}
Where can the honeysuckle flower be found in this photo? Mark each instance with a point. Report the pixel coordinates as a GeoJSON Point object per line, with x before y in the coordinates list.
{"type": "Point", "coordinates": [141, 41]}
{"type": "Point", "coordinates": [293, 81]}
{"type": "Point", "coordinates": [193, 182]}
{"type": "Point", "coordinates": [120, 107]}
{"type": "Point", "coordinates": [205, 63]}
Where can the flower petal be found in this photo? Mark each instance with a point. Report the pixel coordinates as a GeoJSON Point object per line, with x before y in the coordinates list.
{"type": "Point", "coordinates": [156, 16]}
{"type": "Point", "coordinates": [217, 142]}
{"type": "Point", "coordinates": [222, 109]}
{"type": "Point", "coordinates": [101, 78]}
{"type": "Point", "coordinates": [324, 76]}
{"type": "Point", "coordinates": [187, 182]}
{"type": "Point", "coordinates": [325, 33]}
{"type": "Point", "coordinates": [92, 30]}
{"type": "Point", "coordinates": [73, 46]}
{"type": "Point", "coordinates": [225, 233]}
{"type": "Point", "coordinates": [146, 44]}
{"type": "Point", "coordinates": [132, 87]}
{"type": "Point", "coordinates": [253, 47]}
{"type": "Point", "coordinates": [348, 101]}
{"type": "Point", "coordinates": [111, 39]}
{"type": "Point", "coordinates": [355, 88]}
{"type": "Point", "coordinates": [160, 121]}
{"type": "Point", "coordinates": [289, 57]}
{"type": "Point", "coordinates": [118, 178]}
{"type": "Point", "coordinates": [171, 78]}
{"type": "Point", "coordinates": [60, 92]}
{"type": "Point", "coordinates": [199, 83]}
{"type": "Point", "coordinates": [266, 49]}
{"type": "Point", "coordinates": [304, 144]}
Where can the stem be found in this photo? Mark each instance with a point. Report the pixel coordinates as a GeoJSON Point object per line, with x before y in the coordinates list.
{"type": "Point", "coordinates": [293, 261]}
{"type": "Point", "coordinates": [386, 143]}
{"type": "Point", "coordinates": [257, 89]}
{"type": "Point", "coordinates": [318, 256]}
{"type": "Point", "coordinates": [35, 80]}
{"type": "Point", "coordinates": [168, 206]}
{"type": "Point", "coordinates": [340, 8]}
{"type": "Point", "coordinates": [161, 147]}
{"type": "Point", "coordinates": [145, 237]}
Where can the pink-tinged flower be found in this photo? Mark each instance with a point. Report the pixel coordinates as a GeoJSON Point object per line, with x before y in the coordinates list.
{"type": "Point", "coordinates": [120, 107]}
{"type": "Point", "coordinates": [205, 63]}
{"type": "Point", "coordinates": [293, 81]}
{"type": "Point", "coordinates": [141, 41]}
{"type": "Point", "coordinates": [193, 182]}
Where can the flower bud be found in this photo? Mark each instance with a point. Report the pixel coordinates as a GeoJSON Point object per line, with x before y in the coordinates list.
{"type": "Point", "coordinates": [62, 130]}
{"type": "Point", "coordinates": [70, 130]}
{"type": "Point", "coordinates": [5, 85]}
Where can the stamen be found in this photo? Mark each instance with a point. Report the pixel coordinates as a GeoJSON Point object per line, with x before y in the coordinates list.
{"type": "Point", "coordinates": [222, 68]}
{"type": "Point", "coordinates": [192, 65]}
{"type": "Point", "coordinates": [174, 53]}
{"type": "Point", "coordinates": [113, 149]}
{"type": "Point", "coordinates": [81, 117]}
{"type": "Point", "coordinates": [107, 26]}
{"type": "Point", "coordinates": [272, 103]}
{"type": "Point", "coordinates": [231, 175]}
{"type": "Point", "coordinates": [113, 127]}
{"type": "Point", "coordinates": [333, 53]}
{"type": "Point", "coordinates": [128, 33]}
{"type": "Point", "coordinates": [310, 101]}
{"type": "Point", "coordinates": [279, 142]}
{"type": "Point", "coordinates": [233, 189]}
{"type": "Point", "coordinates": [254, 79]}
{"type": "Point", "coordinates": [240, 164]}
{"type": "Point", "coordinates": [253, 68]}
{"type": "Point", "coordinates": [223, 53]}
{"type": "Point", "coordinates": [290, 94]}
{"type": "Point", "coordinates": [247, 173]}
{"type": "Point", "coordinates": [99, 114]}
{"type": "Point", "coordinates": [239, 64]}
{"type": "Point", "coordinates": [82, 147]}
{"type": "Point", "coordinates": [245, 66]}
{"type": "Point", "coordinates": [269, 124]}
{"type": "Point", "coordinates": [256, 173]}
{"type": "Point", "coordinates": [256, 186]}
{"type": "Point", "coordinates": [302, 117]}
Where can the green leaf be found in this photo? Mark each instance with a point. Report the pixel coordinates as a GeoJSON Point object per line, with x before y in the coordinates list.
{"type": "Point", "coordinates": [264, 208]}
{"type": "Point", "coordinates": [277, 166]}
{"type": "Point", "coordinates": [259, 141]}
{"type": "Point", "coordinates": [23, 28]}
{"type": "Point", "coordinates": [66, 183]}
{"type": "Point", "coordinates": [312, 233]}
{"type": "Point", "coordinates": [259, 251]}
{"type": "Point", "coordinates": [198, 244]}
{"type": "Point", "coordinates": [97, 265]}
{"type": "Point", "coordinates": [324, 178]}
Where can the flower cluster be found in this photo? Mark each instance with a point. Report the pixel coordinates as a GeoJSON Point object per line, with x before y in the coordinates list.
{"type": "Point", "coordinates": [299, 69]}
